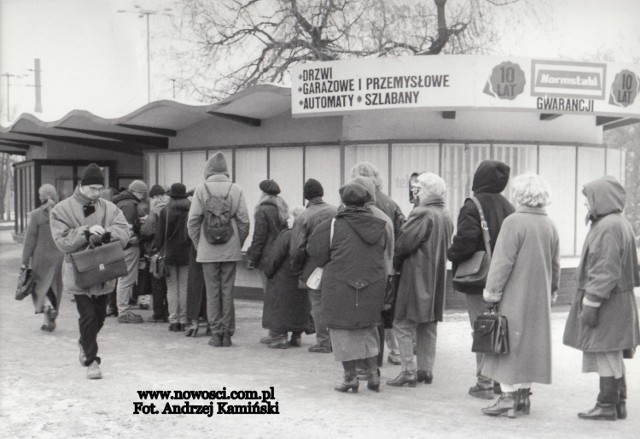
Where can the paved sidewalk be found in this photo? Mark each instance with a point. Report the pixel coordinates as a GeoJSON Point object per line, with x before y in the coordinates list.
{"type": "Point", "coordinates": [44, 392]}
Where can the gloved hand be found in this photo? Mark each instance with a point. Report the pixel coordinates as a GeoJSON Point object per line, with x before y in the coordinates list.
{"type": "Point", "coordinates": [95, 240]}
{"type": "Point", "coordinates": [492, 306]}
{"type": "Point", "coordinates": [589, 315]}
{"type": "Point", "coordinates": [96, 229]}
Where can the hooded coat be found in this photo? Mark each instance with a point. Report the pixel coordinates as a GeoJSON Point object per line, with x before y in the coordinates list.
{"type": "Point", "coordinates": [286, 308]}
{"type": "Point", "coordinates": [268, 224]}
{"type": "Point", "coordinates": [177, 244]}
{"type": "Point", "coordinates": [68, 227]}
{"type": "Point", "coordinates": [489, 181]}
{"type": "Point", "coordinates": [46, 259]}
{"type": "Point", "coordinates": [421, 258]}
{"type": "Point", "coordinates": [524, 272]}
{"type": "Point", "coordinates": [218, 183]}
{"type": "Point", "coordinates": [354, 275]}
{"type": "Point", "coordinates": [148, 230]}
{"type": "Point", "coordinates": [128, 203]}
{"type": "Point", "coordinates": [607, 274]}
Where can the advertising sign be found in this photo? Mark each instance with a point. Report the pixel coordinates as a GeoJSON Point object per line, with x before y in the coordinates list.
{"type": "Point", "coordinates": [457, 82]}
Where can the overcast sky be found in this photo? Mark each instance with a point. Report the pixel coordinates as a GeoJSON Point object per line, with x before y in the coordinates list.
{"type": "Point", "coordinates": [94, 58]}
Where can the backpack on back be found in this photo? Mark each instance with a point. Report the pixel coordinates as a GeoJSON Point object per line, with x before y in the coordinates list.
{"type": "Point", "coordinates": [217, 218]}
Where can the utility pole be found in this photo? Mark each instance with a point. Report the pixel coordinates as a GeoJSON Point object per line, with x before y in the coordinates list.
{"type": "Point", "coordinates": [9, 76]}
{"type": "Point", "coordinates": [146, 13]}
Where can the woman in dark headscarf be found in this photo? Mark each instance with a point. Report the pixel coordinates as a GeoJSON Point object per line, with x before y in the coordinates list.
{"type": "Point", "coordinates": [351, 248]}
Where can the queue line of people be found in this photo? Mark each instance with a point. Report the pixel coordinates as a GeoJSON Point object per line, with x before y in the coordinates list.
{"type": "Point", "coordinates": [362, 243]}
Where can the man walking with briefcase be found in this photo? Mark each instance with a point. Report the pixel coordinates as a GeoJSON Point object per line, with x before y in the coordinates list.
{"type": "Point", "coordinates": [78, 222]}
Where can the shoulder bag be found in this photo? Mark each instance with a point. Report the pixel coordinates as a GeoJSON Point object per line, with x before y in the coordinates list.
{"type": "Point", "coordinates": [473, 272]}
{"type": "Point", "coordinates": [490, 334]}
{"type": "Point", "coordinates": [315, 279]}
{"type": "Point", "coordinates": [158, 267]}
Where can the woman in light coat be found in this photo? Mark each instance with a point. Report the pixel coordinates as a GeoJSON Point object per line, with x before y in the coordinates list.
{"type": "Point", "coordinates": [603, 320]}
{"type": "Point", "coordinates": [45, 260]}
{"type": "Point", "coordinates": [523, 283]}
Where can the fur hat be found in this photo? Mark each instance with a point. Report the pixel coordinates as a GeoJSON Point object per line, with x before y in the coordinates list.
{"type": "Point", "coordinates": [217, 164]}
{"type": "Point", "coordinates": [156, 190]}
{"type": "Point", "coordinates": [138, 186]}
{"type": "Point", "coordinates": [269, 187]}
{"type": "Point", "coordinates": [312, 189]}
{"type": "Point", "coordinates": [178, 190]}
{"type": "Point", "coordinates": [92, 175]}
{"type": "Point", "coordinates": [354, 194]}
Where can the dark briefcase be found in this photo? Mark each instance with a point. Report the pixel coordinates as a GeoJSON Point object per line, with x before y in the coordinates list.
{"type": "Point", "coordinates": [98, 265]}
{"type": "Point", "coordinates": [490, 334]}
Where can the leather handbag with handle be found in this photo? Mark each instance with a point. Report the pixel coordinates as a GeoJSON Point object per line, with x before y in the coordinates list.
{"type": "Point", "coordinates": [490, 334]}
{"type": "Point", "coordinates": [473, 272]}
{"type": "Point", "coordinates": [100, 264]}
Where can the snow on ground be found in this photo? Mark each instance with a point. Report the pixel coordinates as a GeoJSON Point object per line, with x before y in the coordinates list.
{"type": "Point", "coordinates": [44, 392]}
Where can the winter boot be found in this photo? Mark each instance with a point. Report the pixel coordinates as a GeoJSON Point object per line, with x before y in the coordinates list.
{"type": "Point", "coordinates": [424, 377]}
{"type": "Point", "coordinates": [373, 383]}
{"type": "Point", "coordinates": [350, 378]}
{"type": "Point", "coordinates": [524, 404]}
{"type": "Point", "coordinates": [507, 403]}
{"type": "Point", "coordinates": [621, 407]}
{"type": "Point", "coordinates": [608, 398]}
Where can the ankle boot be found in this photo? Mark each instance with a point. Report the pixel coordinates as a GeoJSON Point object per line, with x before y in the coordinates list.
{"type": "Point", "coordinates": [507, 403]}
{"type": "Point", "coordinates": [524, 404]}
{"type": "Point", "coordinates": [350, 381]}
{"type": "Point", "coordinates": [621, 407]}
{"type": "Point", "coordinates": [406, 377]}
{"type": "Point", "coordinates": [373, 383]}
{"type": "Point", "coordinates": [601, 412]}
{"type": "Point", "coordinates": [424, 377]}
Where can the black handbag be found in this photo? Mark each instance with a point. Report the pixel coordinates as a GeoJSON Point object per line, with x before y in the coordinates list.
{"type": "Point", "coordinates": [97, 265]}
{"type": "Point", "coordinates": [473, 272]}
{"type": "Point", "coordinates": [490, 334]}
{"type": "Point", "coordinates": [390, 294]}
{"type": "Point", "coordinates": [26, 284]}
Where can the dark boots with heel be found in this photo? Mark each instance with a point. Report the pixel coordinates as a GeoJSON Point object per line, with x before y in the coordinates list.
{"type": "Point", "coordinates": [350, 378]}
{"type": "Point", "coordinates": [524, 403]}
{"type": "Point", "coordinates": [373, 383]}
{"type": "Point", "coordinates": [606, 408]}
{"type": "Point", "coordinates": [621, 407]}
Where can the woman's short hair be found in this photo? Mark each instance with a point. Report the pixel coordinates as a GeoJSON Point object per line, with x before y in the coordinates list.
{"type": "Point", "coordinates": [366, 169]}
{"type": "Point", "coordinates": [48, 191]}
{"type": "Point", "coordinates": [432, 183]}
{"type": "Point", "coordinates": [530, 190]}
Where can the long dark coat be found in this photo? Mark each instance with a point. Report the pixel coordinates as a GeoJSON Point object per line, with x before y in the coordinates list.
{"type": "Point", "coordinates": [267, 226]}
{"type": "Point", "coordinates": [524, 273]}
{"type": "Point", "coordinates": [607, 273]}
{"type": "Point", "coordinates": [489, 181]}
{"type": "Point", "coordinates": [421, 257]}
{"type": "Point", "coordinates": [177, 244]}
{"type": "Point", "coordinates": [286, 308]}
{"type": "Point", "coordinates": [354, 276]}
{"type": "Point", "coordinates": [42, 256]}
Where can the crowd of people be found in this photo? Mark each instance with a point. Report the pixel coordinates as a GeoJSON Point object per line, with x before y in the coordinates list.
{"type": "Point", "coordinates": [380, 271]}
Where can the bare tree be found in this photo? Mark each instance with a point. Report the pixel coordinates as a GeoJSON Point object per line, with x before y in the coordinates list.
{"type": "Point", "coordinates": [232, 44]}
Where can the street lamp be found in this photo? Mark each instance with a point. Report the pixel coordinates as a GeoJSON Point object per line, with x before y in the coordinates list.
{"type": "Point", "coordinates": [9, 76]}
{"type": "Point", "coordinates": [146, 13]}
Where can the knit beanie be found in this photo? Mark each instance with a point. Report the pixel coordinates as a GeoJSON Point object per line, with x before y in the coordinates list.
{"type": "Point", "coordinates": [92, 175]}
{"type": "Point", "coordinates": [312, 189]}
{"type": "Point", "coordinates": [138, 186]}
{"type": "Point", "coordinates": [217, 164]}
{"type": "Point", "coordinates": [156, 190]}
{"type": "Point", "coordinates": [178, 190]}
{"type": "Point", "coordinates": [269, 187]}
{"type": "Point", "coordinates": [354, 194]}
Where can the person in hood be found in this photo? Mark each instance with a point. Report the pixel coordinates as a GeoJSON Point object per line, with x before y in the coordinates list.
{"type": "Point", "coordinates": [603, 319]}
{"type": "Point", "coordinates": [421, 258]}
{"type": "Point", "coordinates": [81, 220]}
{"type": "Point", "coordinates": [489, 181]}
{"type": "Point", "coordinates": [219, 259]}
{"type": "Point", "coordinates": [351, 249]}
{"type": "Point", "coordinates": [522, 283]}
{"type": "Point", "coordinates": [128, 202]}
{"type": "Point", "coordinates": [43, 257]}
